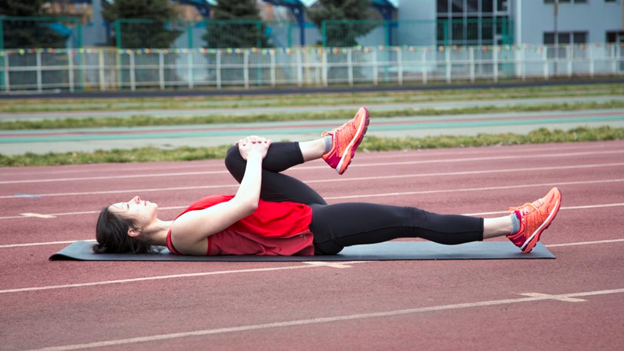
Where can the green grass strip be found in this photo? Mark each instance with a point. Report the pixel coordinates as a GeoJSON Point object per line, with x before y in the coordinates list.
{"type": "Point", "coordinates": [142, 121]}
{"type": "Point", "coordinates": [371, 143]}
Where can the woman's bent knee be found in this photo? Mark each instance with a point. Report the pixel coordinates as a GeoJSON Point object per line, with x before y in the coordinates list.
{"type": "Point", "coordinates": [235, 163]}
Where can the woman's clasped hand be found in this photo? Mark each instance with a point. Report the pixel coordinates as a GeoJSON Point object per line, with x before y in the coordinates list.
{"type": "Point", "coordinates": [253, 145]}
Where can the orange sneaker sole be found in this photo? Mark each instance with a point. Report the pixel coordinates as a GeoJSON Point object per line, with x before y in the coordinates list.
{"type": "Point", "coordinates": [346, 159]}
{"type": "Point", "coordinates": [535, 237]}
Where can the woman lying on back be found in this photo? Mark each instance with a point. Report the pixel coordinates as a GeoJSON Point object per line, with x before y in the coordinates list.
{"type": "Point", "coordinates": [275, 214]}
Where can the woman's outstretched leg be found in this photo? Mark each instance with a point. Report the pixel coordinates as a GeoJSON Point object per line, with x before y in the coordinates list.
{"type": "Point", "coordinates": [346, 224]}
{"type": "Point", "coordinates": [340, 225]}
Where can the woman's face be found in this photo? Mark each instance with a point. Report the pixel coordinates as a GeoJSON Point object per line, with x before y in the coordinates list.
{"type": "Point", "coordinates": [141, 212]}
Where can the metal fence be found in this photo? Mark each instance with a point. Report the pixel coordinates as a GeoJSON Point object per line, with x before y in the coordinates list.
{"type": "Point", "coordinates": [44, 32]}
{"type": "Point", "coordinates": [70, 33]}
{"type": "Point", "coordinates": [141, 33]}
{"type": "Point", "coordinates": [113, 69]}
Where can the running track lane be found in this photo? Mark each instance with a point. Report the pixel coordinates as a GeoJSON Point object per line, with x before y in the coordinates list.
{"type": "Point", "coordinates": [290, 128]}
{"type": "Point", "coordinates": [397, 305]}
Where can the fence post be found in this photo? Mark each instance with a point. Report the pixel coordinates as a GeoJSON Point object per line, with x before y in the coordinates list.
{"type": "Point", "coordinates": [119, 69]}
{"type": "Point", "coordinates": [619, 56]}
{"type": "Point", "coordinates": [189, 31]}
{"type": "Point", "coordinates": [447, 59]}
{"type": "Point", "coordinates": [218, 68]}
{"type": "Point", "coordinates": [132, 77]}
{"type": "Point", "coordinates": [546, 63]}
{"type": "Point", "coordinates": [400, 63]}
{"type": "Point", "coordinates": [472, 63]}
{"type": "Point", "coordinates": [39, 82]}
{"type": "Point", "coordinates": [424, 60]}
{"type": "Point", "coordinates": [7, 81]}
{"type": "Point", "coordinates": [299, 68]}
{"type": "Point", "coordinates": [590, 53]}
{"type": "Point", "coordinates": [350, 67]}
{"type": "Point", "coordinates": [70, 69]}
{"type": "Point", "coordinates": [324, 66]}
{"type": "Point", "coordinates": [495, 58]}
{"type": "Point", "coordinates": [101, 69]}
{"type": "Point", "coordinates": [189, 69]}
{"type": "Point", "coordinates": [1, 34]}
{"type": "Point", "coordinates": [569, 57]}
{"type": "Point", "coordinates": [82, 69]}
{"type": "Point", "coordinates": [375, 68]}
{"type": "Point", "coordinates": [161, 69]}
{"type": "Point", "coordinates": [273, 78]}
{"type": "Point", "coordinates": [80, 36]}
{"type": "Point", "coordinates": [613, 61]}
{"type": "Point", "coordinates": [2, 73]}
{"type": "Point", "coordinates": [246, 68]}
{"type": "Point", "coordinates": [523, 66]}
{"type": "Point", "coordinates": [118, 33]}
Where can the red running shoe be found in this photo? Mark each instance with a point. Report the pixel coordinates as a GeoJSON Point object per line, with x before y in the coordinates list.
{"type": "Point", "coordinates": [345, 140]}
{"type": "Point", "coordinates": [534, 218]}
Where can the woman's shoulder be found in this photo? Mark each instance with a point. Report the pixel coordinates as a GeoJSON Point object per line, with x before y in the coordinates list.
{"type": "Point", "coordinates": [208, 201]}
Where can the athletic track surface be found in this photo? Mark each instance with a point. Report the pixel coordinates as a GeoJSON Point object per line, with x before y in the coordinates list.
{"type": "Point", "coordinates": [571, 303]}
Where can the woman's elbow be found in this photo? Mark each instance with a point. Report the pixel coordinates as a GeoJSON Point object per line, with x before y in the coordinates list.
{"type": "Point", "coordinates": [248, 206]}
{"type": "Point", "coordinates": [252, 206]}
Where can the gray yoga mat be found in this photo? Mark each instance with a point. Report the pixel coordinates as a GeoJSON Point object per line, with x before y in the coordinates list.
{"type": "Point", "coordinates": [388, 251]}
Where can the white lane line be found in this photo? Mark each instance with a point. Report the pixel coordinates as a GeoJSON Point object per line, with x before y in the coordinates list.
{"type": "Point", "coordinates": [330, 180]}
{"type": "Point", "coordinates": [391, 194]}
{"type": "Point", "coordinates": [134, 167]}
{"type": "Point", "coordinates": [89, 212]}
{"type": "Point", "coordinates": [144, 279]}
{"type": "Point", "coordinates": [472, 159]}
{"type": "Point", "coordinates": [9, 246]}
{"type": "Point", "coordinates": [330, 264]}
{"type": "Point", "coordinates": [350, 317]}
{"type": "Point", "coordinates": [203, 164]}
{"type": "Point", "coordinates": [562, 208]}
{"type": "Point", "coordinates": [564, 299]}
{"type": "Point", "coordinates": [506, 187]}
{"type": "Point", "coordinates": [587, 243]}
{"type": "Point", "coordinates": [36, 215]}
{"type": "Point", "coordinates": [129, 176]}
{"type": "Point", "coordinates": [255, 270]}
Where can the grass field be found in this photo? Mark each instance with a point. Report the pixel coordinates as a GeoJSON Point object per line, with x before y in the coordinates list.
{"type": "Point", "coordinates": [614, 91]}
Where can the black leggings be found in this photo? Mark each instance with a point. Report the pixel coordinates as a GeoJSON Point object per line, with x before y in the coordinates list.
{"type": "Point", "coordinates": [345, 224]}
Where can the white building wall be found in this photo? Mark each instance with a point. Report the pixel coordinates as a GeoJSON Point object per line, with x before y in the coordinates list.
{"type": "Point", "coordinates": [595, 17]}
{"type": "Point", "coordinates": [421, 32]}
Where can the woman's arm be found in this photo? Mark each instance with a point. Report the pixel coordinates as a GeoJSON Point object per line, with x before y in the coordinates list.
{"type": "Point", "coordinates": [194, 227]}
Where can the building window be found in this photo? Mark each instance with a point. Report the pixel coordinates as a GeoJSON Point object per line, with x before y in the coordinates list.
{"type": "Point", "coordinates": [501, 6]}
{"type": "Point", "coordinates": [474, 22]}
{"type": "Point", "coordinates": [487, 6]}
{"type": "Point", "coordinates": [472, 6]}
{"type": "Point", "coordinates": [568, 1]}
{"type": "Point", "coordinates": [565, 38]}
{"type": "Point", "coordinates": [615, 36]}
{"type": "Point", "coordinates": [442, 6]}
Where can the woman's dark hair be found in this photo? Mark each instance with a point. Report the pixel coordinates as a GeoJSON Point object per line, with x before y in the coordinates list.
{"type": "Point", "coordinates": [111, 233]}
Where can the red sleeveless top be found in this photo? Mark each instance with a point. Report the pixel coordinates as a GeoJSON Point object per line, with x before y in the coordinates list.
{"type": "Point", "coordinates": [275, 228]}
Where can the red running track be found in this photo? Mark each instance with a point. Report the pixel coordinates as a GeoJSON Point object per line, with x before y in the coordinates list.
{"type": "Point", "coordinates": [571, 303]}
